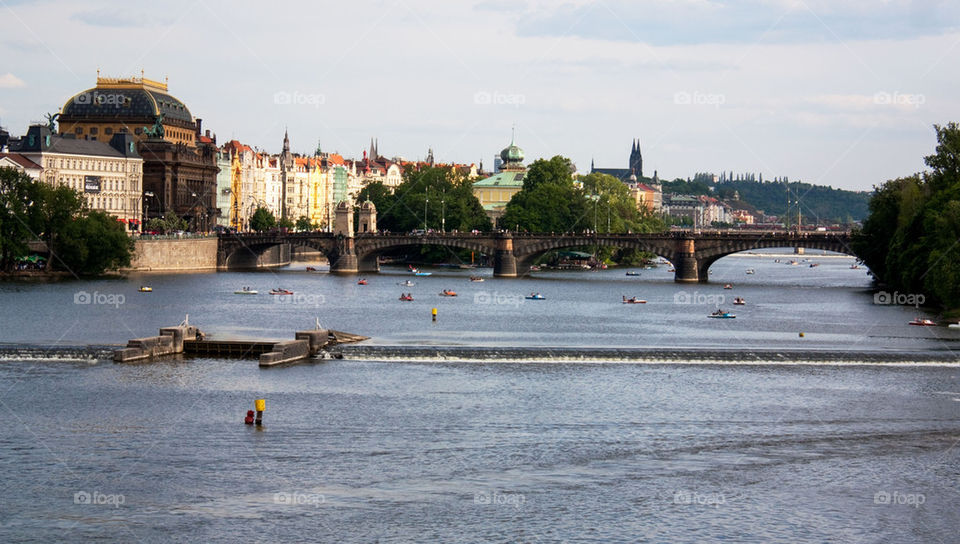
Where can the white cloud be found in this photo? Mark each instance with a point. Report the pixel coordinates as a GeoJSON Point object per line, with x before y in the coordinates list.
{"type": "Point", "coordinates": [10, 81]}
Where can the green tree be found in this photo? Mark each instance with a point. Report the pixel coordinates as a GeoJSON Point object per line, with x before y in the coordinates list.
{"type": "Point", "coordinates": [446, 197]}
{"type": "Point", "coordinates": [549, 200]}
{"type": "Point", "coordinates": [93, 243]}
{"type": "Point", "coordinates": [304, 224]}
{"type": "Point", "coordinates": [19, 221]}
{"type": "Point", "coordinates": [262, 219]}
{"type": "Point", "coordinates": [286, 223]}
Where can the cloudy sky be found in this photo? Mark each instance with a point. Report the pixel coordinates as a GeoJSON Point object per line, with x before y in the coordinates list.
{"type": "Point", "coordinates": [842, 93]}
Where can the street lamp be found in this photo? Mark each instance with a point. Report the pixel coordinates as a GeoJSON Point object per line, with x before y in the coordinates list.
{"type": "Point", "coordinates": [425, 202]}
{"type": "Point", "coordinates": [143, 198]}
{"type": "Point", "coordinates": [443, 214]}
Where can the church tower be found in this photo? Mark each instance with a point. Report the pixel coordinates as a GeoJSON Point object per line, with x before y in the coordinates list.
{"type": "Point", "coordinates": [636, 159]}
{"type": "Point", "coordinates": [286, 173]}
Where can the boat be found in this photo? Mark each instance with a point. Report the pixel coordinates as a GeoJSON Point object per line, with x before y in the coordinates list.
{"type": "Point", "coordinates": [751, 271]}
{"type": "Point", "coordinates": [145, 289]}
{"type": "Point", "coordinates": [794, 263]}
{"type": "Point", "coordinates": [720, 314]}
{"type": "Point", "coordinates": [954, 325]}
{"type": "Point", "coordinates": [672, 269]}
{"type": "Point", "coordinates": [923, 322]}
{"type": "Point", "coordinates": [448, 293]}
{"type": "Point", "coordinates": [854, 267]}
{"type": "Point", "coordinates": [279, 291]}
{"type": "Point", "coordinates": [535, 296]}
{"type": "Point", "coordinates": [423, 273]}
{"type": "Point", "coordinates": [245, 291]}
{"type": "Point", "coordinates": [311, 269]}
{"type": "Point", "coordinates": [534, 268]}
{"type": "Point", "coordinates": [407, 283]}
{"type": "Point", "coordinates": [727, 286]}
{"type": "Point", "coordinates": [406, 296]}
{"type": "Point", "coordinates": [739, 301]}
{"type": "Point", "coordinates": [814, 265]}
{"type": "Point", "coordinates": [361, 281]}
{"type": "Point", "coordinates": [633, 300]}
{"type": "Point", "coordinates": [476, 278]}
{"type": "Point", "coordinates": [633, 273]}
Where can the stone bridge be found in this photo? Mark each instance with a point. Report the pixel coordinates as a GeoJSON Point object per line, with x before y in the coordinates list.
{"type": "Point", "coordinates": [690, 252]}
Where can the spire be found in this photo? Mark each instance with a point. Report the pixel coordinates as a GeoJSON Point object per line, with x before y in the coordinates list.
{"type": "Point", "coordinates": [286, 141]}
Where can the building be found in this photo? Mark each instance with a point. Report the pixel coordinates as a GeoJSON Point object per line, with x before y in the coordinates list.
{"type": "Point", "coordinates": [109, 175]}
{"type": "Point", "coordinates": [496, 191]}
{"type": "Point", "coordinates": [634, 166]}
{"type": "Point", "coordinates": [179, 161]}
{"type": "Point", "coordinates": [21, 163]}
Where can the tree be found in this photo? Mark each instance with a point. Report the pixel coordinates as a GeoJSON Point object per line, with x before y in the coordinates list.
{"type": "Point", "coordinates": [93, 243]}
{"type": "Point", "coordinates": [285, 223]}
{"type": "Point", "coordinates": [19, 222]}
{"type": "Point", "coordinates": [304, 224]}
{"type": "Point", "coordinates": [262, 219]}
{"type": "Point", "coordinates": [549, 200]}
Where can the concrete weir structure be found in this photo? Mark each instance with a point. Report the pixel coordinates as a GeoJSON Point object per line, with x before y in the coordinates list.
{"type": "Point", "coordinates": [170, 342]}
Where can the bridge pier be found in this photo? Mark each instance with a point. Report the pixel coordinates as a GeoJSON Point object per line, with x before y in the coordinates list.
{"type": "Point", "coordinates": [504, 261]}
{"type": "Point", "coordinates": [344, 259]}
{"type": "Point", "coordinates": [686, 268]}
{"type": "Point", "coordinates": [368, 264]}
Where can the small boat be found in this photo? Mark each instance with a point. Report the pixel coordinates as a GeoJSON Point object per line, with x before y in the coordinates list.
{"type": "Point", "coordinates": [672, 269]}
{"type": "Point", "coordinates": [245, 291]}
{"type": "Point", "coordinates": [739, 301]}
{"type": "Point", "coordinates": [423, 273]}
{"type": "Point", "coordinates": [814, 265]}
{"type": "Point", "coordinates": [534, 268]}
{"type": "Point", "coordinates": [727, 286]}
{"type": "Point", "coordinates": [720, 314]}
{"type": "Point", "coordinates": [476, 278]}
{"type": "Point", "coordinates": [407, 283]}
{"type": "Point", "coordinates": [361, 281]}
{"type": "Point", "coordinates": [633, 273]}
{"type": "Point", "coordinates": [535, 296]}
{"type": "Point", "coordinates": [854, 267]}
{"type": "Point", "coordinates": [751, 271]}
{"type": "Point", "coordinates": [794, 263]}
{"type": "Point", "coordinates": [406, 297]}
{"type": "Point", "coordinates": [281, 292]}
{"type": "Point", "coordinates": [448, 293]}
{"type": "Point", "coordinates": [954, 325]}
{"type": "Point", "coordinates": [145, 289]}
{"type": "Point", "coordinates": [311, 269]}
{"type": "Point", "coordinates": [923, 322]}
{"type": "Point", "coordinates": [633, 300]}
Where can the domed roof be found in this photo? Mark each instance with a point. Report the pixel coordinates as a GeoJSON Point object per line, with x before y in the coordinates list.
{"type": "Point", "coordinates": [124, 98]}
{"type": "Point", "coordinates": [368, 205]}
{"type": "Point", "coordinates": [512, 153]}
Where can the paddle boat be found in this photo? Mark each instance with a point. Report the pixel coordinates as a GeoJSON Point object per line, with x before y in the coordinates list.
{"type": "Point", "coordinates": [727, 286]}
{"type": "Point", "coordinates": [633, 300]}
{"type": "Point", "coordinates": [720, 314]}
{"type": "Point", "coordinates": [814, 265]}
{"type": "Point", "coordinates": [476, 278]}
{"type": "Point", "coordinates": [407, 283]}
{"type": "Point", "coordinates": [954, 325]}
{"type": "Point", "coordinates": [245, 291]}
{"type": "Point", "coordinates": [361, 281]}
{"type": "Point", "coordinates": [145, 289]}
{"type": "Point", "coordinates": [406, 297]}
{"type": "Point", "coordinates": [739, 301]}
{"type": "Point", "coordinates": [633, 273]}
{"type": "Point", "coordinates": [448, 293]}
{"type": "Point", "coordinates": [534, 268]}
{"type": "Point", "coordinates": [923, 322]}
{"type": "Point", "coordinates": [311, 269]}
{"type": "Point", "coordinates": [751, 271]}
{"type": "Point", "coordinates": [279, 291]}
{"type": "Point", "coordinates": [535, 296]}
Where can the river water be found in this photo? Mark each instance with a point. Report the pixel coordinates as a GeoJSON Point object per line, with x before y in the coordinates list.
{"type": "Point", "coordinates": [432, 450]}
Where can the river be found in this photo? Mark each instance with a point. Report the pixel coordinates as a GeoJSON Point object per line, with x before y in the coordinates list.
{"type": "Point", "coordinates": [433, 450]}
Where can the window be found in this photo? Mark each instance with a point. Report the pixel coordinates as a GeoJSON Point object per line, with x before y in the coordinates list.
{"type": "Point", "coordinates": [94, 130]}
{"type": "Point", "coordinates": [78, 130]}
{"type": "Point", "coordinates": [108, 130]}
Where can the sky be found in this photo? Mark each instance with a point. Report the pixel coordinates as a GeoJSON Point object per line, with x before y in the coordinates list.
{"type": "Point", "coordinates": [840, 93]}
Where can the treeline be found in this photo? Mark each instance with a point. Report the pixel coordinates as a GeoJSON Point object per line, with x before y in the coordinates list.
{"type": "Point", "coordinates": [911, 240]}
{"type": "Point", "coordinates": [80, 241]}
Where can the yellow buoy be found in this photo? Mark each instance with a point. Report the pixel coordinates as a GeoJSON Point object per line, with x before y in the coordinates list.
{"type": "Point", "coordinates": [434, 314]}
{"type": "Point", "coordinates": [260, 404]}
{"type": "Point", "coordinates": [801, 335]}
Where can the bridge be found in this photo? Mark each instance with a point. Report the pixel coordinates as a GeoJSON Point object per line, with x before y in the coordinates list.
{"type": "Point", "coordinates": [690, 252]}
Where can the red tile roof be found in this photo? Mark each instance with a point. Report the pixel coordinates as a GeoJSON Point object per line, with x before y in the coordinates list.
{"type": "Point", "coordinates": [21, 160]}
